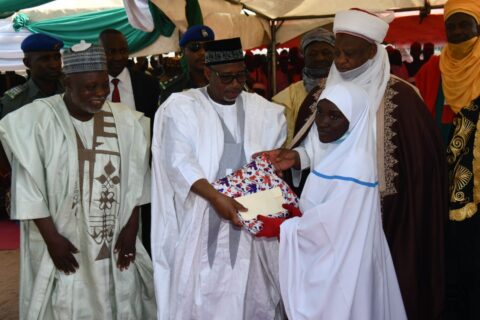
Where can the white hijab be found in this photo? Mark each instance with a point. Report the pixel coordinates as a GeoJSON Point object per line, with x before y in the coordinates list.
{"type": "Point", "coordinates": [341, 158]}
{"type": "Point", "coordinates": [334, 261]}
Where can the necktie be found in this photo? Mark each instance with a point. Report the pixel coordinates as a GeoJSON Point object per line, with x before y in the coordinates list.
{"type": "Point", "coordinates": [116, 92]}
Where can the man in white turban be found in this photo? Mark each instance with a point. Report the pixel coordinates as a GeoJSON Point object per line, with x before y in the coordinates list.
{"type": "Point", "coordinates": [410, 157]}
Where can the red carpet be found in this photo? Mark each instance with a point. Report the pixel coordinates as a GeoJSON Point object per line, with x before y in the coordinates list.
{"type": "Point", "coordinates": [9, 235]}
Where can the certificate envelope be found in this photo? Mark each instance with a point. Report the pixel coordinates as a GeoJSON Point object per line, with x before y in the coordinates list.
{"type": "Point", "coordinates": [267, 202]}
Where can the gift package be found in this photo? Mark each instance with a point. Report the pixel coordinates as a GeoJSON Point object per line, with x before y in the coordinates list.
{"type": "Point", "coordinates": [260, 190]}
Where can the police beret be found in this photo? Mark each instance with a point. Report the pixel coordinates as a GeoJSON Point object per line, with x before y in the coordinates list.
{"type": "Point", "coordinates": [197, 33]}
{"type": "Point", "coordinates": [41, 42]}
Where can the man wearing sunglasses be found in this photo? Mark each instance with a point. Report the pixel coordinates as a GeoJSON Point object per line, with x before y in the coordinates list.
{"type": "Point", "coordinates": [200, 255]}
{"type": "Point", "coordinates": [193, 62]}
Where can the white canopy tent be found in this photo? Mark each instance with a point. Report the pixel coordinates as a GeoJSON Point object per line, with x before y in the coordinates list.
{"type": "Point", "coordinates": [277, 21]}
{"type": "Point", "coordinates": [227, 17]}
{"type": "Point", "coordinates": [296, 9]}
{"type": "Point", "coordinates": [11, 55]}
{"type": "Point", "coordinates": [256, 22]}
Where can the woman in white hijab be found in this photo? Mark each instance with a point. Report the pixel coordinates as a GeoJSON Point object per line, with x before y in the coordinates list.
{"type": "Point", "coordinates": [334, 260]}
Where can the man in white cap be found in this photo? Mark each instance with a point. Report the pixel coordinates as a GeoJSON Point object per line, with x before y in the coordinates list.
{"type": "Point", "coordinates": [410, 157]}
{"type": "Point", "coordinates": [79, 172]}
{"type": "Point", "coordinates": [201, 260]}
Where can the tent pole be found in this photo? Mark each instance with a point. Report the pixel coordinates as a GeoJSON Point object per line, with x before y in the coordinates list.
{"type": "Point", "coordinates": [273, 58]}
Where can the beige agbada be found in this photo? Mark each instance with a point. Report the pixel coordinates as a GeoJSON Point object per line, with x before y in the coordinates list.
{"type": "Point", "coordinates": [46, 183]}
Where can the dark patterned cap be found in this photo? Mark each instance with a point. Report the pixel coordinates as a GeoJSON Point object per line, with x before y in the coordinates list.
{"type": "Point", "coordinates": [41, 42]}
{"type": "Point", "coordinates": [84, 57]}
{"type": "Point", "coordinates": [223, 51]}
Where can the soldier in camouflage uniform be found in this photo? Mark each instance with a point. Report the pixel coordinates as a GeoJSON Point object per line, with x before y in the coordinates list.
{"type": "Point", "coordinates": [43, 59]}
{"type": "Point", "coordinates": [194, 62]}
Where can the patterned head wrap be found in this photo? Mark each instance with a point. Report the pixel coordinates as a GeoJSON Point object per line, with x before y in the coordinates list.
{"type": "Point", "coordinates": [223, 51]}
{"type": "Point", "coordinates": [84, 57]}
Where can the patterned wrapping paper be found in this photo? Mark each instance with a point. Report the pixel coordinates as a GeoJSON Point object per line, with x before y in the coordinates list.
{"type": "Point", "coordinates": [258, 175]}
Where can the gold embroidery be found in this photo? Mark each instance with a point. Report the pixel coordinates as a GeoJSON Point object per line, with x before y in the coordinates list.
{"type": "Point", "coordinates": [476, 161]}
{"type": "Point", "coordinates": [463, 213]}
{"type": "Point", "coordinates": [463, 130]}
{"type": "Point", "coordinates": [461, 179]}
{"type": "Point", "coordinates": [462, 176]}
{"type": "Point", "coordinates": [389, 146]}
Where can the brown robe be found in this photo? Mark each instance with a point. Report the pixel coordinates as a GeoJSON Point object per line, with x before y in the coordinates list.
{"type": "Point", "coordinates": [414, 195]}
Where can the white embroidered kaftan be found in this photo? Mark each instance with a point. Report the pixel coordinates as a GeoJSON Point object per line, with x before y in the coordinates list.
{"type": "Point", "coordinates": [79, 188]}
{"type": "Point", "coordinates": [187, 146]}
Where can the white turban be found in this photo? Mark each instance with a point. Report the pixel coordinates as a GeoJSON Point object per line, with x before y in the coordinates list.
{"type": "Point", "coordinates": [360, 23]}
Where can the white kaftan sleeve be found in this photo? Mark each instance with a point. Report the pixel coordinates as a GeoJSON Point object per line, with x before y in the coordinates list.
{"type": "Point", "coordinates": [27, 201]}
{"type": "Point", "coordinates": [312, 150]}
{"type": "Point", "coordinates": [181, 162]}
{"type": "Point", "coordinates": [304, 158]}
{"type": "Point", "coordinates": [147, 178]}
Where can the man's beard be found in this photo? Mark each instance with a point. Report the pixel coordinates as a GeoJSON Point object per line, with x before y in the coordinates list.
{"type": "Point", "coordinates": [311, 76]}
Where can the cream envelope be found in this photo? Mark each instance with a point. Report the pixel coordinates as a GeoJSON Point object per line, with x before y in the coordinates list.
{"type": "Point", "coordinates": [267, 202]}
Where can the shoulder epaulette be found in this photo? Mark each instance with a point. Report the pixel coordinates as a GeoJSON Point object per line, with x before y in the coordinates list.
{"type": "Point", "coordinates": [15, 91]}
{"type": "Point", "coordinates": [165, 84]}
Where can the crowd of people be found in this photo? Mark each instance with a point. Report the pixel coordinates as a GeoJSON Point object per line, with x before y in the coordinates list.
{"type": "Point", "coordinates": [408, 70]}
{"type": "Point", "coordinates": [110, 167]}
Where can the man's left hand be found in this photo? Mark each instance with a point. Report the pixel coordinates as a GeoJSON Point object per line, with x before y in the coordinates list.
{"type": "Point", "coordinates": [125, 246]}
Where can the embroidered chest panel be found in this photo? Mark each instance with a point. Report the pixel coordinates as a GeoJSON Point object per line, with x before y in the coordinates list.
{"type": "Point", "coordinates": [99, 182]}
{"type": "Point", "coordinates": [389, 134]}
{"type": "Point", "coordinates": [463, 153]}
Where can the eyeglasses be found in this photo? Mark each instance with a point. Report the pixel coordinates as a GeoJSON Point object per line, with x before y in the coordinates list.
{"type": "Point", "coordinates": [194, 46]}
{"type": "Point", "coordinates": [227, 78]}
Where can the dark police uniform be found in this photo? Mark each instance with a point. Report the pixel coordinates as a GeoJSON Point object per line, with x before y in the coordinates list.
{"type": "Point", "coordinates": [182, 81]}
{"type": "Point", "coordinates": [23, 94]}
{"type": "Point", "coordinates": [178, 83]}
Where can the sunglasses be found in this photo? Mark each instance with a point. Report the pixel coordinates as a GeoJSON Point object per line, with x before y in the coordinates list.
{"type": "Point", "coordinates": [227, 78]}
{"type": "Point", "coordinates": [194, 46]}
